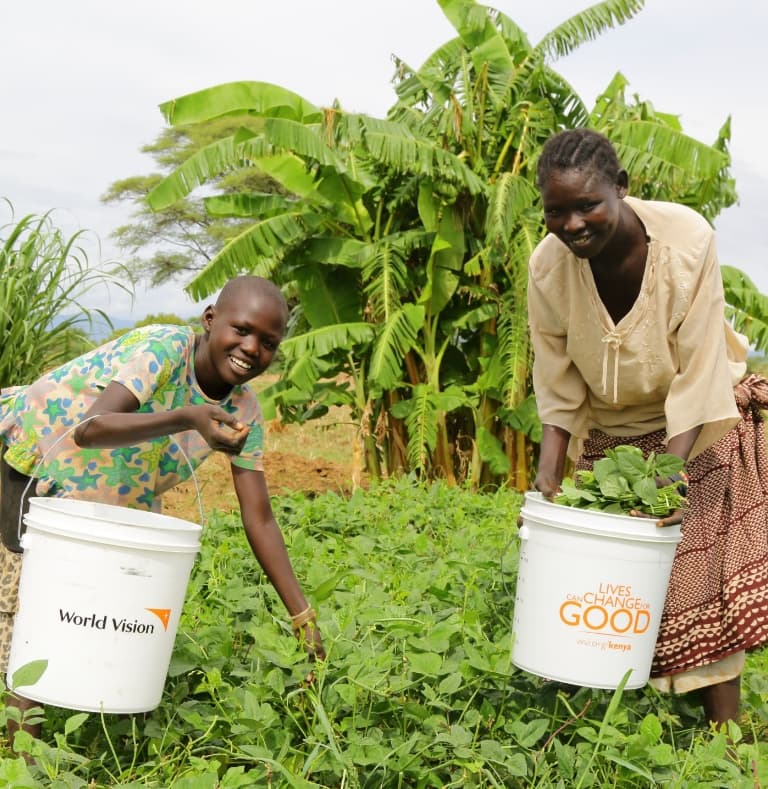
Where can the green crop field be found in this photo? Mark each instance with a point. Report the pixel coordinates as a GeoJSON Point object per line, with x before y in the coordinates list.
{"type": "Point", "coordinates": [415, 589]}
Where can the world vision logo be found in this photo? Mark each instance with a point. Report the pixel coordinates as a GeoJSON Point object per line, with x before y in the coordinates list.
{"type": "Point", "coordinates": [163, 614]}
{"type": "Point", "coordinates": [95, 621]}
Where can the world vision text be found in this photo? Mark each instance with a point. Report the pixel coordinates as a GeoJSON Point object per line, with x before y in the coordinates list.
{"type": "Point", "coordinates": [105, 622]}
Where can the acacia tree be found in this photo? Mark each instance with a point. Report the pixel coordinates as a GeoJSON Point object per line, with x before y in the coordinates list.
{"type": "Point", "coordinates": [407, 238]}
{"type": "Point", "coordinates": [181, 239]}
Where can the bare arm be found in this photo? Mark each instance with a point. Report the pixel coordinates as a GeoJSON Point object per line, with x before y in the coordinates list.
{"type": "Point", "coordinates": [268, 546]}
{"type": "Point", "coordinates": [554, 448]}
{"type": "Point", "coordinates": [117, 424]}
{"type": "Point", "coordinates": [682, 444]}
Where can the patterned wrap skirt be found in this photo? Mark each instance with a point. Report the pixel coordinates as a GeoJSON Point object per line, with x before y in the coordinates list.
{"type": "Point", "coordinates": [717, 600]}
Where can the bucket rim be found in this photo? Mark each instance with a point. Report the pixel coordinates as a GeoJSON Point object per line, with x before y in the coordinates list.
{"type": "Point", "coordinates": [61, 505]}
{"type": "Point", "coordinates": [34, 527]}
{"type": "Point", "coordinates": [603, 524]}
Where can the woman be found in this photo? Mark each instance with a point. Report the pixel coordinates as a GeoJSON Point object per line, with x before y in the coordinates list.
{"type": "Point", "coordinates": [631, 346]}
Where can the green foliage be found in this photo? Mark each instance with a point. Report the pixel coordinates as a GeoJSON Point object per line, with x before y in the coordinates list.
{"type": "Point", "coordinates": [43, 277]}
{"type": "Point", "coordinates": [421, 225]}
{"type": "Point", "coordinates": [623, 482]}
{"type": "Point", "coordinates": [29, 674]}
{"type": "Point", "coordinates": [746, 307]}
{"type": "Point", "coordinates": [414, 586]}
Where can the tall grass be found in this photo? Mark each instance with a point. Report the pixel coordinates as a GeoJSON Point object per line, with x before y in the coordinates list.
{"type": "Point", "coordinates": [44, 276]}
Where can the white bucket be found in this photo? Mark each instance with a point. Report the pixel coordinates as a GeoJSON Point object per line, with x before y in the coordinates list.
{"type": "Point", "coordinates": [100, 599]}
{"type": "Point", "coordinates": [590, 593]}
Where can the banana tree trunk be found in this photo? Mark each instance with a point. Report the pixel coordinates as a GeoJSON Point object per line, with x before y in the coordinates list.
{"type": "Point", "coordinates": [443, 455]}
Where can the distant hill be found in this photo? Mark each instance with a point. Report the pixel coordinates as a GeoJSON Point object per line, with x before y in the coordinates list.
{"type": "Point", "coordinates": [100, 329]}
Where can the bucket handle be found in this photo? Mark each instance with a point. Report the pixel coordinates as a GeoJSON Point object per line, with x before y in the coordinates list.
{"type": "Point", "coordinates": [61, 438]}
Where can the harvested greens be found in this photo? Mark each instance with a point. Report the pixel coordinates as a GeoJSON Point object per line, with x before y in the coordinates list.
{"type": "Point", "coordinates": [623, 481]}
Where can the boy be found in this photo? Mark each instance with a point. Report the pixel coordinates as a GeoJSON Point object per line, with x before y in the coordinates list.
{"type": "Point", "coordinates": [108, 426]}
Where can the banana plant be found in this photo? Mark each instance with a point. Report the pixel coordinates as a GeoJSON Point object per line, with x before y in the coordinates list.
{"type": "Point", "coordinates": [368, 283]}
{"type": "Point", "coordinates": [405, 240]}
{"type": "Point", "coordinates": [746, 307]}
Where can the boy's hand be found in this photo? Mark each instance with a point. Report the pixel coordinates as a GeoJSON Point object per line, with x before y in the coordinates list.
{"type": "Point", "coordinates": [309, 634]}
{"type": "Point", "coordinates": [221, 430]}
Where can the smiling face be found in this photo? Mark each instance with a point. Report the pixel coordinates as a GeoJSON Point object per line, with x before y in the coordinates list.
{"type": "Point", "coordinates": [242, 334]}
{"type": "Point", "coordinates": [584, 209]}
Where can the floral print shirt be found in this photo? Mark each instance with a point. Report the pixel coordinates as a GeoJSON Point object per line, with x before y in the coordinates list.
{"type": "Point", "coordinates": [156, 364]}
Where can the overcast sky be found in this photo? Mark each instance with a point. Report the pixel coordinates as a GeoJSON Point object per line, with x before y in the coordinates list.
{"type": "Point", "coordinates": [80, 82]}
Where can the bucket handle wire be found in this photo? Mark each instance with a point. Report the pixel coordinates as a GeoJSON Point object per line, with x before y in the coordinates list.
{"type": "Point", "coordinates": [33, 477]}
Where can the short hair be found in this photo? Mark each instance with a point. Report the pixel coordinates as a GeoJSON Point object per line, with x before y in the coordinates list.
{"type": "Point", "coordinates": [258, 286]}
{"type": "Point", "coordinates": [578, 149]}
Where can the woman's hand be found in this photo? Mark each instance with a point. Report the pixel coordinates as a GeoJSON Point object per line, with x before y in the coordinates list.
{"type": "Point", "coordinates": [676, 516]}
{"type": "Point", "coordinates": [554, 447]}
{"type": "Point", "coordinates": [673, 519]}
{"type": "Point", "coordinates": [548, 486]}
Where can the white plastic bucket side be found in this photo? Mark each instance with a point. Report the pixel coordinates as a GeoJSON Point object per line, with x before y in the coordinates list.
{"type": "Point", "coordinates": [102, 612]}
{"type": "Point", "coordinates": [590, 593]}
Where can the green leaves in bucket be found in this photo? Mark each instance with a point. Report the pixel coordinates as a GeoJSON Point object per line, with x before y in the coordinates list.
{"type": "Point", "coordinates": [623, 481]}
{"type": "Point", "coordinates": [29, 673]}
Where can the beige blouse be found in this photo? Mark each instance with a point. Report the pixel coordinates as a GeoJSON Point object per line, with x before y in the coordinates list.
{"type": "Point", "coordinates": [670, 363]}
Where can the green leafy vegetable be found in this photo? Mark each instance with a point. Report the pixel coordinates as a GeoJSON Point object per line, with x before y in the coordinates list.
{"type": "Point", "coordinates": [623, 481]}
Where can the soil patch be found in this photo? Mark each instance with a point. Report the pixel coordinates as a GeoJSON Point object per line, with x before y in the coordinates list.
{"type": "Point", "coordinates": [311, 458]}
